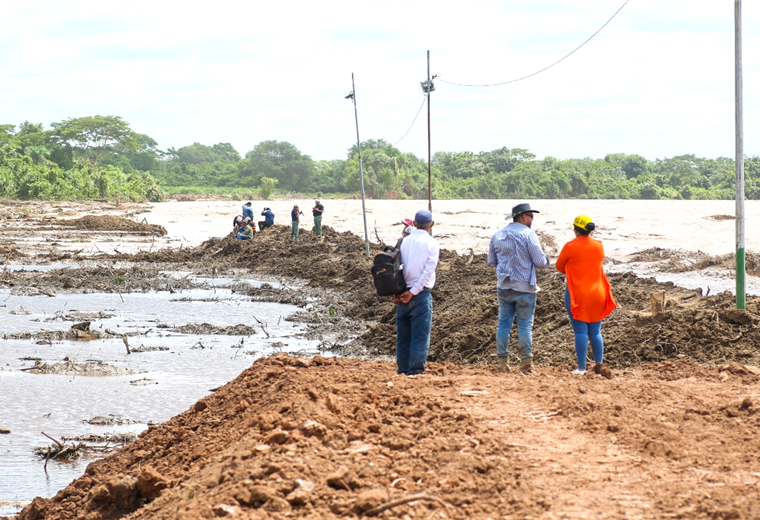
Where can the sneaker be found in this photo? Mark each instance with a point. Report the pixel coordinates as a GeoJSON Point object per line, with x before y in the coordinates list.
{"type": "Point", "coordinates": [578, 372]}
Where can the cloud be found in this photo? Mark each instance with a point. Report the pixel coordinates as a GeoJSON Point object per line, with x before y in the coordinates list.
{"type": "Point", "coordinates": [656, 81]}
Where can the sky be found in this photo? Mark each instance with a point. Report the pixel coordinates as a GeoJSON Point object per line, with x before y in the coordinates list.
{"type": "Point", "coordinates": [657, 80]}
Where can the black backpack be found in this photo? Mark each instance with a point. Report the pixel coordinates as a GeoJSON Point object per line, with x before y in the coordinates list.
{"type": "Point", "coordinates": [388, 271]}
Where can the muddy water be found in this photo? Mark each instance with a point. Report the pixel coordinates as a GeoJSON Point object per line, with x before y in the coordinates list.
{"type": "Point", "coordinates": [624, 226]}
{"type": "Point", "coordinates": [173, 372]}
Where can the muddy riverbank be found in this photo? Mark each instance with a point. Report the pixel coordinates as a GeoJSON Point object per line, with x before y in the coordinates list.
{"type": "Point", "coordinates": [317, 437]}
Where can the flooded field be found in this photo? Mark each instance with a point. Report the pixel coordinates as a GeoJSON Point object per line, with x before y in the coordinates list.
{"type": "Point", "coordinates": [340, 433]}
{"type": "Point", "coordinates": [142, 358]}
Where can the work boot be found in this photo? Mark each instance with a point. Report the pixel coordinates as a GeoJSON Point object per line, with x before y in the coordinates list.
{"type": "Point", "coordinates": [503, 364]}
{"type": "Point", "coordinates": [526, 365]}
{"type": "Point", "coordinates": [602, 370]}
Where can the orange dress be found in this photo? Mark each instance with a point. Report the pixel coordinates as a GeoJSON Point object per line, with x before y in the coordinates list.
{"type": "Point", "coordinates": [591, 297]}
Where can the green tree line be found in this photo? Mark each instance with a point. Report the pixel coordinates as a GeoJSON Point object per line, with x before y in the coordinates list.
{"type": "Point", "coordinates": [84, 158]}
{"type": "Point", "coordinates": [102, 157]}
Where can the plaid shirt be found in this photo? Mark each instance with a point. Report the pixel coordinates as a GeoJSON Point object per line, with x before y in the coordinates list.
{"type": "Point", "coordinates": [515, 252]}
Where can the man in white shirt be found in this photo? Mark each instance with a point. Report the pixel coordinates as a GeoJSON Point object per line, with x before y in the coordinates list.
{"type": "Point", "coordinates": [414, 307]}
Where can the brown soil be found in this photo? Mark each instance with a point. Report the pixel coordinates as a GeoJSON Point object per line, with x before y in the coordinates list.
{"type": "Point", "coordinates": [111, 223]}
{"type": "Point", "coordinates": [674, 433]}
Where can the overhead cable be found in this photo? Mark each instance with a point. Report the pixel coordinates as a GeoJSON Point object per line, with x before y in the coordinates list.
{"type": "Point", "coordinates": [545, 68]}
{"type": "Point", "coordinates": [415, 119]}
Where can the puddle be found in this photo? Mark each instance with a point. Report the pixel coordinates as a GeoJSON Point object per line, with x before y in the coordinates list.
{"type": "Point", "coordinates": [39, 268]}
{"type": "Point", "coordinates": [222, 281]}
{"type": "Point", "coordinates": [168, 371]}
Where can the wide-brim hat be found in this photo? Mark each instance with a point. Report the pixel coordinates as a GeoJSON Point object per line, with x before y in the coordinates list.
{"type": "Point", "coordinates": [520, 209]}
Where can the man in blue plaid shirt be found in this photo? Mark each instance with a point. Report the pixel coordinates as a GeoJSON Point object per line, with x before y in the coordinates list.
{"type": "Point", "coordinates": [515, 252]}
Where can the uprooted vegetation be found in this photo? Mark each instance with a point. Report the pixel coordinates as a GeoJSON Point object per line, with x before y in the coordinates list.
{"type": "Point", "coordinates": [112, 223]}
{"type": "Point", "coordinates": [707, 329]}
{"type": "Point", "coordinates": [293, 437]}
{"type": "Point", "coordinates": [687, 324]}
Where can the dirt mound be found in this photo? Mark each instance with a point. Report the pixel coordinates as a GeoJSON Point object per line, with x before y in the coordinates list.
{"type": "Point", "coordinates": [322, 437]}
{"type": "Point", "coordinates": [110, 223]}
{"type": "Point", "coordinates": [327, 437]}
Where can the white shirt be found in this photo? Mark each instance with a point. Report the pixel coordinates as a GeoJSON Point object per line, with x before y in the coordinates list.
{"type": "Point", "coordinates": [419, 254]}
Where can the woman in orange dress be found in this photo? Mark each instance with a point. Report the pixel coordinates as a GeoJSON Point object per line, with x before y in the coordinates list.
{"type": "Point", "coordinates": [588, 296]}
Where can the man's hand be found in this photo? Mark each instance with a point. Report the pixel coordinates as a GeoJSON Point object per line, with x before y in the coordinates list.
{"type": "Point", "coordinates": [403, 298]}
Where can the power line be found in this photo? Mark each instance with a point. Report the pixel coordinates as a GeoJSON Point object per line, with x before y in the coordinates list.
{"type": "Point", "coordinates": [545, 68]}
{"type": "Point", "coordinates": [366, 127]}
{"type": "Point", "coordinates": [414, 121]}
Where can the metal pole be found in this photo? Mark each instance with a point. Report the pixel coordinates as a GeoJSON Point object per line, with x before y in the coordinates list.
{"type": "Point", "coordinates": [430, 176]}
{"type": "Point", "coordinates": [361, 170]}
{"type": "Point", "coordinates": [740, 253]}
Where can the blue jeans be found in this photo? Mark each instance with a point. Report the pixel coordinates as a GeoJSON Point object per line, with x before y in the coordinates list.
{"type": "Point", "coordinates": [583, 333]}
{"type": "Point", "coordinates": [523, 305]}
{"type": "Point", "coordinates": [414, 321]}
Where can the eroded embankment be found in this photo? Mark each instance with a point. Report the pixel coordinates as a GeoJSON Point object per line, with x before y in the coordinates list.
{"type": "Point", "coordinates": [321, 438]}
{"type": "Point", "coordinates": [346, 438]}
{"type": "Point", "coordinates": [706, 329]}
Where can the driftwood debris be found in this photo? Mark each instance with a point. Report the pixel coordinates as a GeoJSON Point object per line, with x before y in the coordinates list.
{"type": "Point", "coordinates": [404, 500]}
{"type": "Point", "coordinates": [657, 299]}
{"type": "Point", "coordinates": [103, 445]}
{"type": "Point", "coordinates": [263, 325]}
{"type": "Point", "coordinates": [59, 450]}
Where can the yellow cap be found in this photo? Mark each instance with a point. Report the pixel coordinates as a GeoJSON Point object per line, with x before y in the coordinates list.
{"type": "Point", "coordinates": [582, 221]}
